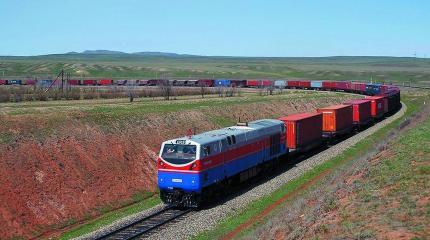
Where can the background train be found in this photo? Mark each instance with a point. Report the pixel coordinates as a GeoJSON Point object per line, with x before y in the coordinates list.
{"type": "Point", "coordinates": [346, 86]}
{"type": "Point", "coordinates": [194, 168]}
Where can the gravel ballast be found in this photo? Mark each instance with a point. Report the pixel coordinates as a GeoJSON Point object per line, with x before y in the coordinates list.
{"type": "Point", "coordinates": [196, 222]}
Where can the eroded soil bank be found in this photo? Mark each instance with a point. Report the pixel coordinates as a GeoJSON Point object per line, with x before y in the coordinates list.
{"type": "Point", "coordinates": [62, 167]}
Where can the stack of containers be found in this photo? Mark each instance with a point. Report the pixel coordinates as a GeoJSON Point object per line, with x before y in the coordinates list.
{"type": "Point", "coordinates": [304, 131]}
{"type": "Point", "coordinates": [361, 112]}
{"type": "Point", "coordinates": [337, 120]}
{"type": "Point", "coordinates": [377, 106]}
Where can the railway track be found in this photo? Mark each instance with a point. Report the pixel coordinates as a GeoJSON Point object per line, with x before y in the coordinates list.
{"type": "Point", "coordinates": [144, 226]}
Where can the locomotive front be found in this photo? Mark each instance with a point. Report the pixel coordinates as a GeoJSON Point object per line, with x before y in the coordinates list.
{"type": "Point", "coordinates": [178, 172]}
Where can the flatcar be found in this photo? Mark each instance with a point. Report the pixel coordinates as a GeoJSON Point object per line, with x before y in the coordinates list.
{"type": "Point", "coordinates": [190, 169]}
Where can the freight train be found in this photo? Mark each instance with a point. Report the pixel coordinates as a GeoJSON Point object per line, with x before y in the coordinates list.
{"type": "Point", "coordinates": [195, 168]}
{"type": "Point", "coordinates": [347, 86]}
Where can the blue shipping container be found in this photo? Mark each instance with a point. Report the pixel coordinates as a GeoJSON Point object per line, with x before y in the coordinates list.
{"type": "Point", "coordinates": [280, 84]}
{"type": "Point", "coordinates": [45, 82]}
{"type": "Point", "coordinates": [316, 84]}
{"type": "Point", "coordinates": [222, 83]}
{"type": "Point", "coordinates": [15, 81]}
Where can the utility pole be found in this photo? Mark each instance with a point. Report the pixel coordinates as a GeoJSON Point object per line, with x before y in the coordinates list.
{"type": "Point", "coordinates": [62, 80]}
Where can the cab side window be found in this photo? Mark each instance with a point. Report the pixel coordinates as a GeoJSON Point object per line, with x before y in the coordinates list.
{"type": "Point", "coordinates": [206, 150]}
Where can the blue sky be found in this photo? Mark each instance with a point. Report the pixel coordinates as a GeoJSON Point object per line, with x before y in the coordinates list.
{"type": "Point", "coordinates": [221, 27]}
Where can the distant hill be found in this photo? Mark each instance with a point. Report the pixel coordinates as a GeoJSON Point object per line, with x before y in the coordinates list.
{"type": "Point", "coordinates": [109, 52]}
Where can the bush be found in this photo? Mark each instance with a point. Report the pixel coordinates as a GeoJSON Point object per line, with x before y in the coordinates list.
{"type": "Point", "coordinates": [4, 95]}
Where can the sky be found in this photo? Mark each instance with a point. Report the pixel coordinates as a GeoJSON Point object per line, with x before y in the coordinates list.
{"type": "Point", "coordinates": [275, 28]}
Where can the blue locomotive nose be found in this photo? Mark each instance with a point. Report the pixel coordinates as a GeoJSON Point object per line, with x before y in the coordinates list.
{"type": "Point", "coordinates": [188, 182]}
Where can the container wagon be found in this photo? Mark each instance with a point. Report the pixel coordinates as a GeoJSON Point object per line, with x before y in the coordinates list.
{"type": "Point", "coordinates": [3, 82]}
{"type": "Point", "coordinates": [377, 106]}
{"type": "Point", "coordinates": [89, 82]}
{"type": "Point", "coordinates": [205, 82]}
{"type": "Point", "coordinates": [361, 111]}
{"type": "Point", "coordinates": [45, 82]}
{"type": "Point", "coordinates": [222, 83]}
{"type": "Point", "coordinates": [121, 82]}
{"type": "Point", "coordinates": [258, 83]}
{"type": "Point", "coordinates": [105, 82]}
{"type": "Point", "coordinates": [293, 84]}
{"type": "Point", "coordinates": [29, 82]}
{"type": "Point", "coordinates": [191, 83]}
{"type": "Point", "coordinates": [337, 120]}
{"type": "Point", "coordinates": [329, 85]}
{"type": "Point", "coordinates": [238, 83]}
{"type": "Point", "coordinates": [393, 98]}
{"type": "Point", "coordinates": [305, 84]}
{"type": "Point", "coordinates": [343, 86]}
{"type": "Point", "coordinates": [303, 131]}
{"type": "Point", "coordinates": [14, 82]}
{"type": "Point", "coordinates": [316, 84]}
{"type": "Point", "coordinates": [358, 87]}
{"type": "Point", "coordinates": [142, 82]}
{"type": "Point", "coordinates": [73, 82]}
{"type": "Point", "coordinates": [280, 84]}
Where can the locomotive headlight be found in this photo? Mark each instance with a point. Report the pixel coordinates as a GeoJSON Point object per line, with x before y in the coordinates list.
{"type": "Point", "coordinates": [193, 166]}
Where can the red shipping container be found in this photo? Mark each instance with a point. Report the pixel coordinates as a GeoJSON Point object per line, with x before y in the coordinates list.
{"type": "Point", "coordinates": [305, 84]}
{"type": "Point", "coordinates": [293, 83]}
{"type": "Point", "coordinates": [361, 108]}
{"type": "Point", "coordinates": [358, 87]}
{"type": "Point", "coordinates": [337, 119]}
{"type": "Point", "coordinates": [304, 130]}
{"type": "Point", "coordinates": [329, 85]}
{"type": "Point", "coordinates": [3, 82]}
{"type": "Point", "coordinates": [105, 82]}
{"type": "Point", "coordinates": [89, 82]}
{"type": "Point", "coordinates": [205, 82]}
{"type": "Point", "coordinates": [342, 85]}
{"type": "Point", "coordinates": [253, 83]}
{"type": "Point", "coordinates": [267, 83]}
{"type": "Point", "coordinates": [73, 82]}
{"type": "Point", "coordinates": [377, 106]}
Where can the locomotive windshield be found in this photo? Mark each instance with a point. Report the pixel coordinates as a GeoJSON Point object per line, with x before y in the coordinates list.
{"type": "Point", "coordinates": [179, 154]}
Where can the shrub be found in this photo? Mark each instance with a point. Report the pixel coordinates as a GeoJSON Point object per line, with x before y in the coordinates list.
{"type": "Point", "coordinates": [4, 95]}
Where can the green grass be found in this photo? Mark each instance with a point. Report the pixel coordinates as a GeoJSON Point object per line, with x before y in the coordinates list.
{"type": "Point", "coordinates": [110, 217]}
{"type": "Point", "coordinates": [382, 69]}
{"type": "Point", "coordinates": [257, 206]}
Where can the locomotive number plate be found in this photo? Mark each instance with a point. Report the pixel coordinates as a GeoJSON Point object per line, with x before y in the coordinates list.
{"type": "Point", "coordinates": [181, 141]}
{"type": "Point", "coordinates": [176, 180]}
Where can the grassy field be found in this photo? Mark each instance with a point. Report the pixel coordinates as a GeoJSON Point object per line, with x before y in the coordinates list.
{"type": "Point", "coordinates": [380, 69]}
{"type": "Point", "coordinates": [411, 183]}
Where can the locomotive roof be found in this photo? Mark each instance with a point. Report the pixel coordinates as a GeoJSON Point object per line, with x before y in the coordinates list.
{"type": "Point", "coordinates": [219, 134]}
